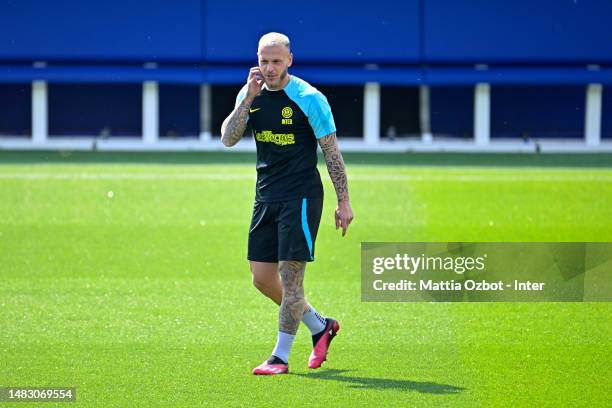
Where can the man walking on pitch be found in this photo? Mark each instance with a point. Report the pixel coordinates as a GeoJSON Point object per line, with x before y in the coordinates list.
{"type": "Point", "coordinates": [288, 117]}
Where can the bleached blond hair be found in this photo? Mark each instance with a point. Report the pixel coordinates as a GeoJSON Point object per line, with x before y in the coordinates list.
{"type": "Point", "coordinates": [274, 39]}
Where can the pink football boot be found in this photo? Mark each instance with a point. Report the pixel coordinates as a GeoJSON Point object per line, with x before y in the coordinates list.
{"type": "Point", "coordinates": [320, 350]}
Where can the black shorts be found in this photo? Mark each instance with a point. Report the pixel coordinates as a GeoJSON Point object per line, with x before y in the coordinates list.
{"type": "Point", "coordinates": [284, 230]}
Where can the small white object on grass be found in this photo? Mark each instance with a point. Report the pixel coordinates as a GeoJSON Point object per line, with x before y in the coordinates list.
{"type": "Point", "coordinates": [110, 194]}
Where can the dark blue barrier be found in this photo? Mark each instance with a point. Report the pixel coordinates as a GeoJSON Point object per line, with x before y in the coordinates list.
{"type": "Point", "coordinates": [95, 110]}
{"type": "Point", "coordinates": [179, 111]}
{"type": "Point", "coordinates": [452, 110]}
{"type": "Point", "coordinates": [15, 109]}
{"type": "Point", "coordinates": [606, 113]}
{"type": "Point", "coordinates": [537, 112]}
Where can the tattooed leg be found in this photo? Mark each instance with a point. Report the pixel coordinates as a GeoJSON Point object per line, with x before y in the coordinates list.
{"type": "Point", "coordinates": [293, 303]}
{"type": "Point", "coordinates": [267, 280]}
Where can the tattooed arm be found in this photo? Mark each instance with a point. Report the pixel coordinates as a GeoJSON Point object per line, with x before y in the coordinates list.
{"type": "Point", "coordinates": [337, 173]}
{"type": "Point", "coordinates": [234, 125]}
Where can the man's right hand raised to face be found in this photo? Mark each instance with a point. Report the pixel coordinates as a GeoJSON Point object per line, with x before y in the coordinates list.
{"type": "Point", "coordinates": [255, 82]}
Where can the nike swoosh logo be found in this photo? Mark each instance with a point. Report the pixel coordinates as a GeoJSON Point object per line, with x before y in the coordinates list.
{"type": "Point", "coordinates": [254, 110]}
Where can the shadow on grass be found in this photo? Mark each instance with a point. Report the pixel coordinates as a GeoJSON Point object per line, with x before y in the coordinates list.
{"type": "Point", "coordinates": [384, 383]}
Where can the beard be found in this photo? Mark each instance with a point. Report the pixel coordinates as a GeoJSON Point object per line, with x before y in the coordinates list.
{"type": "Point", "coordinates": [281, 77]}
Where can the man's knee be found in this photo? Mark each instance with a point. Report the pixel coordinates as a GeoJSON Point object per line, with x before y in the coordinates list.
{"type": "Point", "coordinates": [264, 275]}
{"type": "Point", "coordinates": [259, 283]}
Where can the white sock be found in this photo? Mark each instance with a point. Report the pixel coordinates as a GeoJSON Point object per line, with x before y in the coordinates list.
{"type": "Point", "coordinates": [314, 321]}
{"type": "Point", "coordinates": [283, 346]}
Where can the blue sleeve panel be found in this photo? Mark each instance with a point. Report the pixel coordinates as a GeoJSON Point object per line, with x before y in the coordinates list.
{"type": "Point", "coordinates": [240, 97]}
{"type": "Point", "coordinates": [314, 105]}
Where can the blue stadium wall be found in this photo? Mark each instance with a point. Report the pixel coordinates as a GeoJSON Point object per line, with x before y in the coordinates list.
{"type": "Point", "coordinates": [535, 51]}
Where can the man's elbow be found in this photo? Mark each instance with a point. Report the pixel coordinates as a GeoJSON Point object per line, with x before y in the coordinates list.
{"type": "Point", "coordinates": [224, 139]}
{"type": "Point", "coordinates": [224, 136]}
{"type": "Point", "coordinates": [229, 140]}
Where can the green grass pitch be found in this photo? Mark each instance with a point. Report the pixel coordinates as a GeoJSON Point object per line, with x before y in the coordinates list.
{"type": "Point", "coordinates": [144, 298]}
